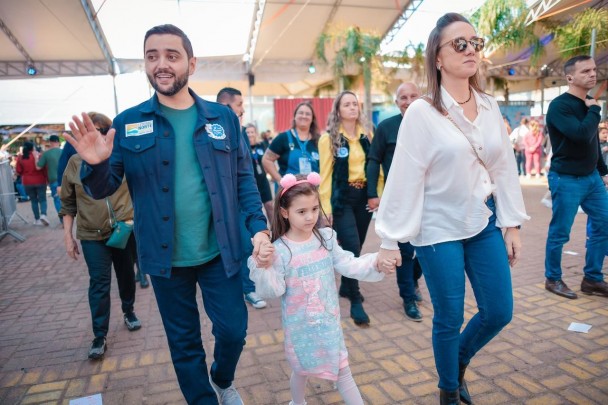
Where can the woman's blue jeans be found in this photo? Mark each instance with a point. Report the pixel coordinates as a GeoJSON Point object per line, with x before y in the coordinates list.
{"type": "Point", "coordinates": [483, 258]}
{"type": "Point", "coordinates": [37, 194]}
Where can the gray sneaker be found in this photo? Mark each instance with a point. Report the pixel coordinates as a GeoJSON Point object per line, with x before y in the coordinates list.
{"type": "Point", "coordinates": [98, 348]}
{"type": "Point", "coordinates": [132, 322]}
{"type": "Point", "coordinates": [228, 396]}
{"type": "Point", "coordinates": [45, 221]}
{"type": "Point", "coordinates": [255, 300]}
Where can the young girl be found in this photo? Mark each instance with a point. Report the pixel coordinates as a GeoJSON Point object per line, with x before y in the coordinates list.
{"type": "Point", "coordinates": [303, 275]}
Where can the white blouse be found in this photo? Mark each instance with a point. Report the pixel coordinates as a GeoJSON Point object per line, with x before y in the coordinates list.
{"type": "Point", "coordinates": [436, 188]}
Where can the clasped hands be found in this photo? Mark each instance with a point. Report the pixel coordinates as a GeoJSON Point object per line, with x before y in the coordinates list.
{"type": "Point", "coordinates": [263, 250]}
{"type": "Point", "coordinates": [388, 260]}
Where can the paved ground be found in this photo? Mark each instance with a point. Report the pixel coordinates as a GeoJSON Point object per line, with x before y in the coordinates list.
{"type": "Point", "coordinates": [45, 335]}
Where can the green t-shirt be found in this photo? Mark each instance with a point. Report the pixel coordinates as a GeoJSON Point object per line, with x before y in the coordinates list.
{"type": "Point", "coordinates": [194, 240]}
{"type": "Point", "coordinates": [50, 159]}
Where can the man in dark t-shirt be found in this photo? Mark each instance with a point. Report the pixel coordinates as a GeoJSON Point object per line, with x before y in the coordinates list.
{"type": "Point", "coordinates": [577, 177]}
{"type": "Point", "coordinates": [381, 154]}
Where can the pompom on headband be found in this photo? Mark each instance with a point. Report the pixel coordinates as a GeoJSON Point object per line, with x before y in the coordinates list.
{"type": "Point", "coordinates": [289, 180]}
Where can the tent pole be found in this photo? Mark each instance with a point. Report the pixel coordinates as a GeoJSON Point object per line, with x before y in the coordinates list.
{"type": "Point", "coordinates": [115, 95]}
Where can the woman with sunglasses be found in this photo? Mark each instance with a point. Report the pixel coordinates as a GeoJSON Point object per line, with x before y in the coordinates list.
{"type": "Point", "coordinates": [452, 192]}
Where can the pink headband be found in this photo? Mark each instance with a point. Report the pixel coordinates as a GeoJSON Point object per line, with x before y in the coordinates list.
{"type": "Point", "coordinates": [289, 180]}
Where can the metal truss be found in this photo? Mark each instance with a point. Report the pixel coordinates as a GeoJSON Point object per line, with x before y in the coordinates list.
{"type": "Point", "coordinates": [403, 18]}
{"type": "Point", "coordinates": [99, 36]}
{"type": "Point", "coordinates": [18, 69]}
{"type": "Point", "coordinates": [539, 9]}
{"type": "Point", "coordinates": [554, 69]}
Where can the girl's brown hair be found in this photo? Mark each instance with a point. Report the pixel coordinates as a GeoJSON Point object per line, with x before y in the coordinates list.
{"type": "Point", "coordinates": [433, 75]}
{"type": "Point", "coordinates": [280, 225]}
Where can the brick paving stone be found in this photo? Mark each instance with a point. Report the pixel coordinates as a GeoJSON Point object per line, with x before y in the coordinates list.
{"type": "Point", "coordinates": [45, 335]}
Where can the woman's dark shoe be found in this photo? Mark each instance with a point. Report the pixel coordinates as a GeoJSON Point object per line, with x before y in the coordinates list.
{"type": "Point", "coordinates": [358, 314]}
{"type": "Point", "coordinates": [462, 386]}
{"type": "Point", "coordinates": [449, 397]}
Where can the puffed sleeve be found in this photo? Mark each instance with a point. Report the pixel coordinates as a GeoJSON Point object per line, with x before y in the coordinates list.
{"type": "Point", "coordinates": [269, 282]}
{"type": "Point", "coordinates": [400, 212]}
{"type": "Point", "coordinates": [361, 268]}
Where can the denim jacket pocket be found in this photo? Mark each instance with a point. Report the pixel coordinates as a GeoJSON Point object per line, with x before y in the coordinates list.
{"type": "Point", "coordinates": [137, 144]}
{"type": "Point", "coordinates": [139, 155]}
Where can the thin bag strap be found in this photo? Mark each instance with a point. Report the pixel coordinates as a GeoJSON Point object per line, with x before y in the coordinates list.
{"type": "Point", "coordinates": [113, 221]}
{"type": "Point", "coordinates": [449, 117]}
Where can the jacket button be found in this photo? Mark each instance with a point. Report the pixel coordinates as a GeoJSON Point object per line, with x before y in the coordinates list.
{"type": "Point", "coordinates": [165, 162]}
{"type": "Point", "coordinates": [165, 218]}
{"type": "Point", "coordinates": [165, 189]}
{"type": "Point", "coordinates": [163, 271]}
{"type": "Point", "coordinates": [166, 134]}
{"type": "Point", "coordinates": [164, 246]}
{"type": "Point", "coordinates": [227, 147]}
{"type": "Point", "coordinates": [138, 147]}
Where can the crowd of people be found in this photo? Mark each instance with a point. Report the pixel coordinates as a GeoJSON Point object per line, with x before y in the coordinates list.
{"type": "Point", "coordinates": [442, 175]}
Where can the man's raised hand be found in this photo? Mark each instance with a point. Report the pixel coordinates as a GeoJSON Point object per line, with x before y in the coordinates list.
{"type": "Point", "coordinates": [91, 145]}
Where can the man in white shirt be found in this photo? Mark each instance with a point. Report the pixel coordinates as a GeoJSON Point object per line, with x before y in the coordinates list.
{"type": "Point", "coordinates": [517, 139]}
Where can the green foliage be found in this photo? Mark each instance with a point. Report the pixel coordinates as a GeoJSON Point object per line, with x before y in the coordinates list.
{"type": "Point", "coordinates": [352, 47]}
{"type": "Point", "coordinates": [574, 38]}
{"type": "Point", "coordinates": [503, 24]}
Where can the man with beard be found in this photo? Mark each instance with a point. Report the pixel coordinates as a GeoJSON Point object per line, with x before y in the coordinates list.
{"type": "Point", "coordinates": [189, 175]}
{"type": "Point", "coordinates": [577, 177]}
{"type": "Point", "coordinates": [381, 154]}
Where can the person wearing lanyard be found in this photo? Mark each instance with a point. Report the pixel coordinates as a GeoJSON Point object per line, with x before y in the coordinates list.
{"type": "Point", "coordinates": [343, 151]}
{"type": "Point", "coordinates": [296, 149]}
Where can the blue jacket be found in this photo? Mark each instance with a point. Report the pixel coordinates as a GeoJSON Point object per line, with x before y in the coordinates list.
{"type": "Point", "coordinates": [145, 153]}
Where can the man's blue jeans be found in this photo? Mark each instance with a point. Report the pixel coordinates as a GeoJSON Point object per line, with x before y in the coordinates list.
{"type": "Point", "coordinates": [484, 260]}
{"type": "Point", "coordinates": [99, 259]}
{"type": "Point", "coordinates": [405, 273]}
{"type": "Point", "coordinates": [56, 198]}
{"type": "Point", "coordinates": [567, 193]}
{"type": "Point", "coordinates": [225, 307]}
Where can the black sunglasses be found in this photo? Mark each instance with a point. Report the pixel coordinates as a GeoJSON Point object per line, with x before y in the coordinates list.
{"type": "Point", "coordinates": [103, 131]}
{"type": "Point", "coordinates": [460, 44]}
